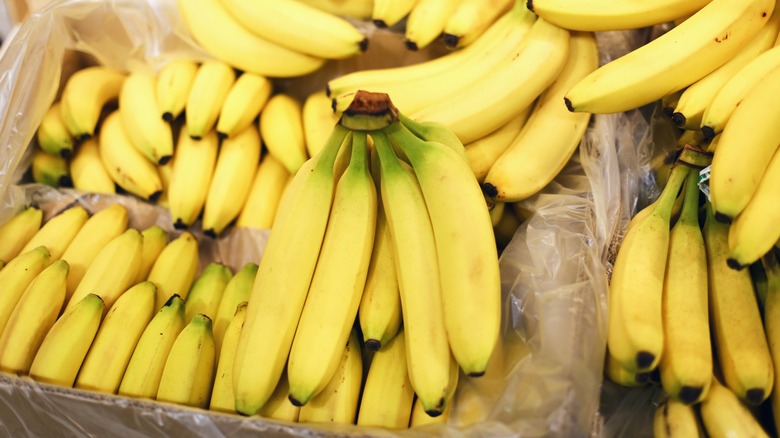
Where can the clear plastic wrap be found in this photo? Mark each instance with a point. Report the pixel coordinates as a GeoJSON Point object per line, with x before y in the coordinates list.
{"type": "Point", "coordinates": [554, 271]}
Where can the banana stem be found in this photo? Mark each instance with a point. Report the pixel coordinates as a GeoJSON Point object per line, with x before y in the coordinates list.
{"type": "Point", "coordinates": [327, 155]}
{"type": "Point", "coordinates": [384, 149]}
{"type": "Point", "coordinates": [690, 209]}
{"type": "Point", "coordinates": [359, 150]}
{"type": "Point", "coordinates": [665, 202]}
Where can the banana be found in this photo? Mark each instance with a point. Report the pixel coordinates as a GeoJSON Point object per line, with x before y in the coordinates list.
{"type": "Point", "coordinates": [144, 369]}
{"type": "Point", "coordinates": [380, 306]}
{"type": "Point", "coordinates": [263, 199]}
{"type": "Point", "coordinates": [58, 231]}
{"type": "Point", "coordinates": [139, 112]}
{"type": "Point", "coordinates": [222, 398]}
{"type": "Point", "coordinates": [112, 271]}
{"type": "Point", "coordinates": [319, 34]}
{"type": "Point", "coordinates": [669, 101]}
{"type": "Point", "coordinates": [165, 173]}
{"type": "Point", "coordinates": [689, 112]}
{"type": "Point", "coordinates": [173, 87]}
{"type": "Point", "coordinates": [635, 336]}
{"type": "Point", "coordinates": [674, 418]}
{"type": "Point", "coordinates": [426, 22]}
{"type": "Point", "coordinates": [471, 18]}
{"type": "Point", "coordinates": [731, 94]}
{"type": "Point", "coordinates": [18, 230]}
{"type": "Point", "coordinates": [387, 395]}
{"type": "Point", "coordinates": [279, 405]}
{"type": "Point", "coordinates": [512, 85]}
{"type": "Point", "coordinates": [278, 295]}
{"type": "Point", "coordinates": [602, 15]}
{"type": "Point", "coordinates": [234, 173]}
{"type": "Point", "coordinates": [420, 418]}
{"type": "Point", "coordinates": [126, 166]}
{"type": "Point", "coordinates": [208, 92]}
{"type": "Point", "coordinates": [772, 322]}
{"type": "Point", "coordinates": [435, 132]}
{"type": "Point", "coordinates": [739, 339]}
{"type": "Point", "coordinates": [188, 375]}
{"type": "Point", "coordinates": [85, 94]}
{"type": "Point", "coordinates": [236, 292]}
{"type": "Point", "coordinates": [242, 104]}
{"type": "Point", "coordinates": [754, 231]}
{"type": "Point", "coordinates": [686, 363]}
{"type": "Point", "coordinates": [51, 170]}
{"type": "Point", "coordinates": [33, 316]}
{"type": "Point", "coordinates": [724, 415]}
{"type": "Point", "coordinates": [338, 401]}
{"type": "Point", "coordinates": [154, 240]}
{"type": "Point", "coordinates": [87, 170]}
{"type": "Point", "coordinates": [52, 134]}
{"type": "Point", "coordinates": [671, 62]}
{"type": "Point", "coordinates": [93, 236]}
{"type": "Point", "coordinates": [207, 291]}
{"type": "Point", "coordinates": [66, 344]}
{"type": "Point", "coordinates": [483, 152]}
{"type": "Point", "coordinates": [214, 29]}
{"type": "Point", "coordinates": [122, 327]}
{"type": "Point", "coordinates": [550, 136]}
{"type": "Point", "coordinates": [387, 13]}
{"type": "Point", "coordinates": [360, 9]}
{"type": "Point", "coordinates": [193, 169]}
{"type": "Point", "coordinates": [338, 280]}
{"type": "Point", "coordinates": [16, 276]}
{"type": "Point", "coordinates": [281, 128]}
{"type": "Point", "coordinates": [418, 267]}
{"type": "Point", "coordinates": [620, 375]}
{"type": "Point", "coordinates": [318, 120]}
{"type": "Point", "coordinates": [468, 260]}
{"type": "Point", "coordinates": [175, 268]}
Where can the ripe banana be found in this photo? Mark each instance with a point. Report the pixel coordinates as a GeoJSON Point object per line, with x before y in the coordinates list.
{"type": "Point", "coordinates": [419, 281]}
{"type": "Point", "coordinates": [242, 104]}
{"type": "Point", "coordinates": [210, 87]}
{"type": "Point", "coordinates": [93, 236]}
{"type": "Point", "coordinates": [16, 276]}
{"type": "Point", "coordinates": [126, 166]}
{"type": "Point", "coordinates": [338, 280]}
{"type": "Point", "coordinates": [58, 231]}
{"type": "Point", "coordinates": [234, 173]}
{"type": "Point", "coordinates": [380, 307]}
{"type": "Point", "coordinates": [18, 230]}
{"type": "Point", "coordinates": [338, 401]}
{"type": "Point", "coordinates": [602, 15]}
{"type": "Point", "coordinates": [52, 134]}
{"type": "Point", "coordinates": [263, 199]}
{"type": "Point", "coordinates": [191, 177]}
{"type": "Point", "coordinates": [85, 94]}
{"type": "Point", "coordinates": [279, 405]}
{"type": "Point", "coordinates": [236, 292]}
{"type": "Point", "coordinates": [550, 136]}
{"type": "Point", "coordinates": [222, 398]}
{"type": "Point", "coordinates": [483, 152]}
{"type": "Point", "coordinates": [318, 120]}
{"type": "Point", "coordinates": [772, 322]}
{"type": "Point", "coordinates": [278, 295]}
{"type": "Point", "coordinates": [33, 316]}
{"type": "Point", "coordinates": [87, 170]}
{"type": "Point", "coordinates": [154, 240]}
{"type": "Point", "coordinates": [674, 418]}
{"type": "Point", "coordinates": [281, 127]}
{"type": "Point", "coordinates": [512, 85]}
{"type": "Point", "coordinates": [139, 112]}
{"type": "Point", "coordinates": [51, 170]}
{"type": "Point", "coordinates": [620, 375]}
{"type": "Point", "coordinates": [360, 9]}
{"type": "Point", "coordinates": [686, 363]}
{"type": "Point", "coordinates": [175, 268]}
{"type": "Point", "coordinates": [724, 415]}
{"type": "Point", "coordinates": [426, 21]}
{"type": "Point", "coordinates": [671, 62]}
{"type": "Point", "coordinates": [387, 13]}
{"type": "Point", "coordinates": [142, 376]}
{"type": "Point", "coordinates": [739, 339]}
{"type": "Point", "coordinates": [112, 271]}
{"type": "Point", "coordinates": [420, 418]}
{"type": "Point", "coordinates": [319, 34]}
{"type": "Point", "coordinates": [165, 173]}
{"type": "Point", "coordinates": [65, 346]}
{"type": "Point", "coordinates": [693, 102]}
{"type": "Point", "coordinates": [207, 291]}
{"type": "Point", "coordinates": [471, 18]}
{"type": "Point", "coordinates": [173, 87]}
{"type": "Point", "coordinates": [188, 375]}
{"type": "Point", "coordinates": [116, 339]}
{"type": "Point", "coordinates": [387, 395]}
{"type": "Point", "coordinates": [468, 260]}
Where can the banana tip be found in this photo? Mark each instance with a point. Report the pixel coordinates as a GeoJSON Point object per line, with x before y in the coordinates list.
{"type": "Point", "coordinates": [380, 24]}
{"type": "Point", "coordinates": [211, 233]}
{"type": "Point", "coordinates": [433, 413]}
{"type": "Point", "coordinates": [530, 5]}
{"type": "Point", "coordinates": [723, 218]}
{"type": "Point", "coordinates": [164, 160]}
{"type": "Point", "coordinates": [155, 196]}
{"type": "Point", "coordinates": [755, 396]}
{"type": "Point", "coordinates": [411, 45]}
{"type": "Point", "coordinates": [65, 181]}
{"type": "Point", "coordinates": [679, 119]}
{"type": "Point", "coordinates": [569, 106]}
{"type": "Point", "coordinates": [644, 360]}
{"type": "Point", "coordinates": [66, 153]}
{"type": "Point", "coordinates": [373, 344]}
{"type": "Point", "coordinates": [489, 190]}
{"type": "Point", "coordinates": [708, 132]}
{"type": "Point", "coordinates": [363, 44]}
{"type": "Point", "coordinates": [734, 264]}
{"type": "Point", "coordinates": [476, 373]}
{"type": "Point", "coordinates": [179, 224]}
{"type": "Point", "coordinates": [167, 116]}
{"type": "Point", "coordinates": [451, 40]}
{"type": "Point", "coordinates": [689, 394]}
{"type": "Point", "coordinates": [295, 401]}
{"type": "Point", "coordinates": [83, 137]}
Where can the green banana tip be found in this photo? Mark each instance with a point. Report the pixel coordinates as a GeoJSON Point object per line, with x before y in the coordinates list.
{"type": "Point", "coordinates": [171, 300]}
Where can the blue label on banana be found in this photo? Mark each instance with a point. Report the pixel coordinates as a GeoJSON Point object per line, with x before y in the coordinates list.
{"type": "Point", "coordinates": [704, 181]}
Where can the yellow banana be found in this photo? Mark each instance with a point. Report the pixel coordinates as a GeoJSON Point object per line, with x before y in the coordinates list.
{"type": "Point", "coordinates": [242, 104]}
{"type": "Point", "coordinates": [18, 230]}
{"type": "Point", "coordinates": [193, 169]}
{"type": "Point", "coordinates": [51, 170]}
{"type": "Point", "coordinates": [87, 170]}
{"type": "Point", "coordinates": [263, 199]}
{"type": "Point", "coordinates": [173, 87]}
{"type": "Point", "coordinates": [58, 231]}
{"type": "Point", "coordinates": [318, 120]}
{"type": "Point", "coordinates": [207, 291]}
{"type": "Point", "coordinates": [85, 94]}
{"type": "Point", "coordinates": [139, 112]}
{"type": "Point", "coordinates": [674, 418]}
{"type": "Point", "coordinates": [426, 22]}
{"type": "Point", "coordinates": [222, 398]}
{"type": "Point", "coordinates": [360, 9]}
{"type": "Point", "coordinates": [154, 240]}
{"type": "Point", "coordinates": [620, 375]}
{"type": "Point", "coordinates": [281, 127]}
{"type": "Point", "coordinates": [175, 268]}
{"type": "Point", "coordinates": [724, 415]}
{"type": "Point", "coordinates": [236, 292]}
{"type": "Point", "coordinates": [483, 152]}
{"type": "Point", "coordinates": [16, 276]}
{"type": "Point", "coordinates": [471, 18]}
{"type": "Point", "coordinates": [772, 322]}
{"type": "Point", "coordinates": [52, 134]}
{"type": "Point", "coordinates": [387, 13]}
{"type": "Point", "coordinates": [420, 418]}
{"type": "Point", "coordinates": [210, 87]}
{"type": "Point", "coordinates": [279, 405]}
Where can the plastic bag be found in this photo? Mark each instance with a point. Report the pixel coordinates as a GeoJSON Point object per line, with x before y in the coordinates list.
{"type": "Point", "coordinates": [554, 271]}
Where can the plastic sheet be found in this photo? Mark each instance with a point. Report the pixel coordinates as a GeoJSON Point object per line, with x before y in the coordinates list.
{"type": "Point", "coordinates": [554, 272]}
